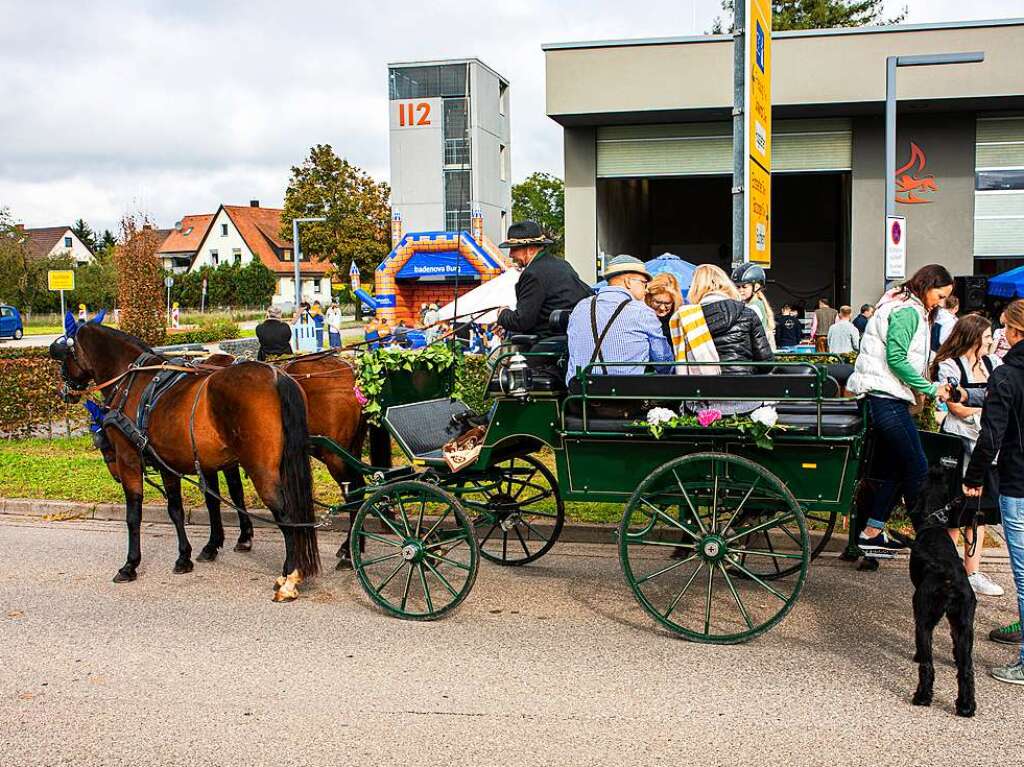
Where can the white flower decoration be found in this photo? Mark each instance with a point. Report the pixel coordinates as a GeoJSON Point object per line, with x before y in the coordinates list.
{"type": "Point", "coordinates": [766, 415]}
{"type": "Point", "coordinates": [658, 415]}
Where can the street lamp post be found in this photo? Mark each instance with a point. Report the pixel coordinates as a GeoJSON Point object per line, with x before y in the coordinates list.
{"type": "Point", "coordinates": [297, 254]}
{"type": "Point", "coordinates": [891, 63]}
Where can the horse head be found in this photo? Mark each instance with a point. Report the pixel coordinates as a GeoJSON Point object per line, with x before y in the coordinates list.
{"type": "Point", "coordinates": [75, 368]}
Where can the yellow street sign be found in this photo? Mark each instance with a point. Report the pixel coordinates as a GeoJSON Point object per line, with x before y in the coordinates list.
{"type": "Point", "coordinates": [60, 279]}
{"type": "Point", "coordinates": [758, 113]}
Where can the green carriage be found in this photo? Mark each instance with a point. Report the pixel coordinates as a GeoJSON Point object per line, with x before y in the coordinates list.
{"type": "Point", "coordinates": [718, 528]}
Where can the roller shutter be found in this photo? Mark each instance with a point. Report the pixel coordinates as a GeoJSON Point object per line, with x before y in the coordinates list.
{"type": "Point", "coordinates": [999, 188]}
{"type": "Point", "coordinates": [698, 149]}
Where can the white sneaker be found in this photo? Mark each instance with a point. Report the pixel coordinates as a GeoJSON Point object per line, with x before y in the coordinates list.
{"type": "Point", "coordinates": [984, 585]}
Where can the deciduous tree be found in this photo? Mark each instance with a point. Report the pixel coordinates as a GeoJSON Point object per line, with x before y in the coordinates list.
{"type": "Point", "coordinates": [541, 198]}
{"type": "Point", "coordinates": [816, 14]}
{"type": "Point", "coordinates": [140, 294]}
{"type": "Point", "coordinates": [357, 209]}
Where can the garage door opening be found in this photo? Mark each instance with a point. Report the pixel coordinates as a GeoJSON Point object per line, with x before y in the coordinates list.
{"type": "Point", "coordinates": [692, 218]}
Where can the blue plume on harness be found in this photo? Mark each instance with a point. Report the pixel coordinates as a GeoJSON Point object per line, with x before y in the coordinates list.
{"type": "Point", "coordinates": [70, 325]}
{"type": "Point", "coordinates": [98, 317]}
{"type": "Point", "coordinates": [96, 413]}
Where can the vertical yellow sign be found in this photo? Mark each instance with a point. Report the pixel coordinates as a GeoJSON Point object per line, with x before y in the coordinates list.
{"type": "Point", "coordinates": [758, 90]}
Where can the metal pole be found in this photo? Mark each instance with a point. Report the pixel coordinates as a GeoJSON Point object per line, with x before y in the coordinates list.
{"type": "Point", "coordinates": [739, 142]}
{"type": "Point", "coordinates": [295, 258]}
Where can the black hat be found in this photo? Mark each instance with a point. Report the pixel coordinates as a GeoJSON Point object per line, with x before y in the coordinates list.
{"type": "Point", "coordinates": [525, 233]}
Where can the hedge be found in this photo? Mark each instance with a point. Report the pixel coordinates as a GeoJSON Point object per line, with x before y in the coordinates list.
{"type": "Point", "coordinates": [30, 404]}
{"type": "Point", "coordinates": [206, 333]}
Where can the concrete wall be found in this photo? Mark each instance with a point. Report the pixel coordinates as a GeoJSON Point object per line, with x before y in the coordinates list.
{"type": "Point", "coordinates": [941, 231]}
{"type": "Point", "coordinates": [581, 201]}
{"type": "Point", "coordinates": [848, 68]}
{"type": "Point", "coordinates": [489, 132]}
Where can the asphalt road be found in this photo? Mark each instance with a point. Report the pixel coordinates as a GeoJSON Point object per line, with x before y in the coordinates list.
{"type": "Point", "coordinates": [553, 664]}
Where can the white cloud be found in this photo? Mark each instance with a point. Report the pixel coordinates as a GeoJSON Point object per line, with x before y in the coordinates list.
{"type": "Point", "coordinates": [106, 106]}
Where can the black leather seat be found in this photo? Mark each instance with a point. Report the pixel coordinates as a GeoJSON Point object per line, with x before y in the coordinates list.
{"type": "Point", "coordinates": [423, 428]}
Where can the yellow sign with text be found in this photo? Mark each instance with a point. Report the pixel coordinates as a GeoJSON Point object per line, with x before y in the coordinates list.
{"type": "Point", "coordinates": [60, 279]}
{"type": "Point", "coordinates": [759, 130]}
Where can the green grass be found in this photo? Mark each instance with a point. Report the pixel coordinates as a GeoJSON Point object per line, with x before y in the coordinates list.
{"type": "Point", "coordinates": [44, 330]}
{"type": "Point", "coordinates": [71, 469]}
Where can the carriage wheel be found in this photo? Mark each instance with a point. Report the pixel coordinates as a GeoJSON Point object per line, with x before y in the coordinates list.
{"type": "Point", "coordinates": [783, 537]}
{"type": "Point", "coordinates": [681, 546]}
{"type": "Point", "coordinates": [419, 557]}
{"type": "Point", "coordinates": [518, 515]}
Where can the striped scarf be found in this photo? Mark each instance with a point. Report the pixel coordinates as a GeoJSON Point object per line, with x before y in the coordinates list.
{"type": "Point", "coordinates": [692, 342]}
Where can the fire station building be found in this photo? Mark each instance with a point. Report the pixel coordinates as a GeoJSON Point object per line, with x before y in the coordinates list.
{"type": "Point", "coordinates": [648, 152]}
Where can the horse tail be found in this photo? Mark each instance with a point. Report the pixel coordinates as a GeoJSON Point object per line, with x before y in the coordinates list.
{"type": "Point", "coordinates": [297, 476]}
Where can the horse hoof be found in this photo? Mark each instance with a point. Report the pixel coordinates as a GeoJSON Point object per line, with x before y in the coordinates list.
{"type": "Point", "coordinates": [344, 564]}
{"type": "Point", "coordinates": [125, 576]}
{"type": "Point", "coordinates": [965, 711]}
{"type": "Point", "coordinates": [286, 595]}
{"type": "Point", "coordinates": [922, 700]}
{"type": "Point", "coordinates": [181, 568]}
{"type": "Point", "coordinates": [243, 546]}
{"type": "Point", "coordinates": [279, 582]}
{"type": "Point", "coordinates": [207, 555]}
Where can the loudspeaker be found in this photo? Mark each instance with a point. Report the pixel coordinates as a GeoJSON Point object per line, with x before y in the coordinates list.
{"type": "Point", "coordinates": [971, 291]}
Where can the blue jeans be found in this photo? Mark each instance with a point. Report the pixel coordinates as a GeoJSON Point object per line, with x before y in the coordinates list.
{"type": "Point", "coordinates": [899, 459]}
{"type": "Point", "coordinates": [335, 339]}
{"type": "Point", "coordinates": [1013, 527]}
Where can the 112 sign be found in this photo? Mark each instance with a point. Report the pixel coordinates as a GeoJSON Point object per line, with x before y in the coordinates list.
{"type": "Point", "coordinates": [413, 114]}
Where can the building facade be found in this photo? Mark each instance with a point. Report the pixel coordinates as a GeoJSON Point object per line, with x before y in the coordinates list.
{"type": "Point", "coordinates": [648, 152]}
{"type": "Point", "coordinates": [55, 242]}
{"type": "Point", "coordinates": [449, 146]}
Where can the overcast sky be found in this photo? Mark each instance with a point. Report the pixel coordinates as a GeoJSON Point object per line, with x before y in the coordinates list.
{"type": "Point", "coordinates": [175, 107]}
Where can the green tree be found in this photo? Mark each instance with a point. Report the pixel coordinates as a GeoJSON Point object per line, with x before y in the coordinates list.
{"type": "Point", "coordinates": [256, 285]}
{"type": "Point", "coordinates": [96, 282]}
{"type": "Point", "coordinates": [816, 14]}
{"type": "Point", "coordinates": [357, 209]}
{"type": "Point", "coordinates": [107, 241]}
{"type": "Point", "coordinates": [85, 233]}
{"type": "Point", "coordinates": [541, 198]}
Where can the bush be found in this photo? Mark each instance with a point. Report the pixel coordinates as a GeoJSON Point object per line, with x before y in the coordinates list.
{"type": "Point", "coordinates": [473, 379]}
{"type": "Point", "coordinates": [29, 401]}
{"type": "Point", "coordinates": [207, 333]}
{"type": "Point", "coordinates": [140, 285]}
{"type": "Point", "coordinates": [227, 285]}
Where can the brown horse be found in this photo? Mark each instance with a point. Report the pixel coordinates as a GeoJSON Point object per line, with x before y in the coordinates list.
{"type": "Point", "coordinates": [246, 415]}
{"type": "Point", "coordinates": [328, 383]}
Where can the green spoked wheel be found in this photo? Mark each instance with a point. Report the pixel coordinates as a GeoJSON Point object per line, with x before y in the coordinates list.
{"type": "Point", "coordinates": [517, 511]}
{"type": "Point", "coordinates": [782, 539]}
{"type": "Point", "coordinates": [413, 550]}
{"type": "Point", "coordinates": [682, 546]}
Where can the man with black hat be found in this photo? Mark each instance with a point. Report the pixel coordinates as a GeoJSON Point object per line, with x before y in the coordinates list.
{"type": "Point", "coordinates": [546, 284]}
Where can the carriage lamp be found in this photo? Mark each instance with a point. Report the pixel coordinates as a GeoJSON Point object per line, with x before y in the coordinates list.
{"type": "Point", "coordinates": [516, 378]}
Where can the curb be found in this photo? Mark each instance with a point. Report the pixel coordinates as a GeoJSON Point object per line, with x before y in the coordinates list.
{"type": "Point", "coordinates": [69, 511]}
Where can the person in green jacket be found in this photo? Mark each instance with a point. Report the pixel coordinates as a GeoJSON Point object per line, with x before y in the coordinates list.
{"type": "Point", "coordinates": [891, 371]}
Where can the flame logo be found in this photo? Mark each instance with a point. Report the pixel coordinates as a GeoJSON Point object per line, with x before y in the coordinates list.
{"type": "Point", "coordinates": [908, 184]}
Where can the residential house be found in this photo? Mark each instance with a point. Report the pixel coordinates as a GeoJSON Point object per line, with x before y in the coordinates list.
{"type": "Point", "coordinates": [238, 234]}
{"type": "Point", "coordinates": [179, 248]}
{"type": "Point", "coordinates": [55, 241]}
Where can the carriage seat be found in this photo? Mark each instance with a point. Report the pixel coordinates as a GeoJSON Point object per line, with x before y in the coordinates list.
{"type": "Point", "coordinates": [839, 418]}
{"type": "Point", "coordinates": [423, 428]}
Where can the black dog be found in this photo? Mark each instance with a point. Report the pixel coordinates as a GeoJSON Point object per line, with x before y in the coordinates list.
{"type": "Point", "coordinates": [941, 589]}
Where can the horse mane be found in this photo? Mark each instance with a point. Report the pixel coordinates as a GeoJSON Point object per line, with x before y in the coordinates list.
{"type": "Point", "coordinates": [128, 338]}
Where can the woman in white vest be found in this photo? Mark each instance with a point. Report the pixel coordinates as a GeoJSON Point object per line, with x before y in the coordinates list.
{"type": "Point", "coordinates": [892, 371]}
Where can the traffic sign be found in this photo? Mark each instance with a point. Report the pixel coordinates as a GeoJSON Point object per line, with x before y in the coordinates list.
{"type": "Point", "coordinates": [758, 116]}
{"type": "Point", "coordinates": [168, 282]}
{"type": "Point", "coordinates": [60, 279]}
{"type": "Point", "coordinates": [895, 247]}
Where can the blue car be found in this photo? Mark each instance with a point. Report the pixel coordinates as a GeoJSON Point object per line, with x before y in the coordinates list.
{"type": "Point", "coordinates": [10, 323]}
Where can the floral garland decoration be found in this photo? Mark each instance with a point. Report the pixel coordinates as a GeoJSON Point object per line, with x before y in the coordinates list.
{"type": "Point", "coordinates": [374, 366]}
{"type": "Point", "coordinates": [757, 425]}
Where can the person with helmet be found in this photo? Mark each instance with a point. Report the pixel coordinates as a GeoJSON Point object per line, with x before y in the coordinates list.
{"type": "Point", "coordinates": [750, 280]}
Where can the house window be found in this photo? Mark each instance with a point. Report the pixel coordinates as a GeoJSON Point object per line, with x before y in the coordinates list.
{"type": "Point", "coordinates": [67, 242]}
{"type": "Point", "coordinates": [316, 286]}
{"type": "Point", "coordinates": [503, 161]}
{"type": "Point", "coordinates": [223, 230]}
{"type": "Point", "coordinates": [214, 259]}
{"type": "Point", "coordinates": [503, 98]}
{"type": "Point", "coordinates": [504, 222]}
{"type": "Point", "coordinates": [236, 255]}
{"type": "Point", "coordinates": [286, 255]}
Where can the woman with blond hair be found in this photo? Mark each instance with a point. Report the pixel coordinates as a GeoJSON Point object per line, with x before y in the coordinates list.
{"type": "Point", "coordinates": [717, 326]}
{"type": "Point", "coordinates": [664, 297]}
{"type": "Point", "coordinates": [750, 280]}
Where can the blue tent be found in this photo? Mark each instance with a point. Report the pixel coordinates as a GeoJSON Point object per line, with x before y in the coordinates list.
{"type": "Point", "coordinates": [666, 262]}
{"type": "Point", "coordinates": [1008, 284]}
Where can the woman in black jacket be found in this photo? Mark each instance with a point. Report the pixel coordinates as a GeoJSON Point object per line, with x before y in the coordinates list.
{"type": "Point", "coordinates": [1002, 436]}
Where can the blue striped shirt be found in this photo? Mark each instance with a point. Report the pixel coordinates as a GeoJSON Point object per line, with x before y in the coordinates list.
{"type": "Point", "coordinates": [636, 335]}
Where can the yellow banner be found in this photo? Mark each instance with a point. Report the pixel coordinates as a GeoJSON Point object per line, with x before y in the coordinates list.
{"type": "Point", "coordinates": [759, 130]}
{"type": "Point", "coordinates": [60, 279]}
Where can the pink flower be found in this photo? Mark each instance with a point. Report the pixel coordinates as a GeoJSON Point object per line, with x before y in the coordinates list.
{"type": "Point", "coordinates": [707, 417]}
{"type": "Point", "coordinates": [360, 397]}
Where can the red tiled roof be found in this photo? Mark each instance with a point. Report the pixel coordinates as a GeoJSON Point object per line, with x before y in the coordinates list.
{"type": "Point", "coordinates": [261, 228]}
{"type": "Point", "coordinates": [188, 240]}
{"type": "Point", "coordinates": [41, 241]}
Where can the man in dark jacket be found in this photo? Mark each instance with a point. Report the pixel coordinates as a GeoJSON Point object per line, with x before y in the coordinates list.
{"type": "Point", "coordinates": [546, 284]}
{"type": "Point", "coordinates": [1002, 436]}
{"type": "Point", "coordinates": [275, 336]}
{"type": "Point", "coordinates": [861, 320]}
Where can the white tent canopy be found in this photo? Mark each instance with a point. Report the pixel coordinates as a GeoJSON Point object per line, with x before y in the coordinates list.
{"type": "Point", "coordinates": [493, 294]}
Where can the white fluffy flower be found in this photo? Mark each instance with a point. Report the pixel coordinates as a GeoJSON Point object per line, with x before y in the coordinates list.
{"type": "Point", "coordinates": [766, 415]}
{"type": "Point", "coordinates": [658, 415]}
